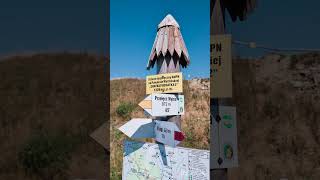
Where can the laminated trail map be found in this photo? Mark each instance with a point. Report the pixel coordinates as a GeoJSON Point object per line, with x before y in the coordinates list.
{"type": "Point", "coordinates": [160, 162]}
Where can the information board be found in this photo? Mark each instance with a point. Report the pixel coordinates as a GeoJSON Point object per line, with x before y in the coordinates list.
{"type": "Point", "coordinates": [164, 83]}
{"type": "Point", "coordinates": [221, 66]}
{"type": "Point", "coordinates": [223, 148]}
{"type": "Point", "coordinates": [159, 162]}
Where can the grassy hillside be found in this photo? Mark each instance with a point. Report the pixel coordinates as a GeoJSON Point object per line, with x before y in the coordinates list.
{"type": "Point", "coordinates": [278, 109]}
{"type": "Point", "coordinates": [50, 103]}
{"type": "Point", "coordinates": [127, 93]}
{"type": "Point", "coordinates": [57, 100]}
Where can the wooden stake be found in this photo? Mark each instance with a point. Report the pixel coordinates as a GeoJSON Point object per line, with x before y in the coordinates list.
{"type": "Point", "coordinates": [217, 27]}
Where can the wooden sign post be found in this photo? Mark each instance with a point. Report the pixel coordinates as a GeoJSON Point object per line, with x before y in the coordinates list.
{"type": "Point", "coordinates": [237, 10]}
{"type": "Point", "coordinates": [169, 52]}
{"type": "Point", "coordinates": [217, 27]}
{"type": "Point", "coordinates": [165, 103]}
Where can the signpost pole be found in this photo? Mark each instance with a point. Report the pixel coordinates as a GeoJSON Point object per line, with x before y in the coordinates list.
{"type": "Point", "coordinates": [217, 27]}
{"type": "Point", "coordinates": [175, 119]}
{"type": "Point", "coordinates": [169, 53]}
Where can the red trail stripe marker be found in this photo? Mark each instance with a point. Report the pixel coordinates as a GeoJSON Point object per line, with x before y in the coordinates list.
{"type": "Point", "coordinates": [178, 136]}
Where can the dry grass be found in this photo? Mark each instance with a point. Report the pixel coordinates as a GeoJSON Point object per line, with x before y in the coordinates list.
{"type": "Point", "coordinates": [195, 122]}
{"type": "Point", "coordinates": [278, 124]}
{"type": "Point", "coordinates": [57, 94]}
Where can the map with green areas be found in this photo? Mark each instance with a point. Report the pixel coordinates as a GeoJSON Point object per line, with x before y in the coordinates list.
{"type": "Point", "coordinates": [149, 161]}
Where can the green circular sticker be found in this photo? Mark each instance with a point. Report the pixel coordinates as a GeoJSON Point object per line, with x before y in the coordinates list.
{"type": "Point", "coordinates": [227, 121]}
{"type": "Point", "coordinates": [228, 151]}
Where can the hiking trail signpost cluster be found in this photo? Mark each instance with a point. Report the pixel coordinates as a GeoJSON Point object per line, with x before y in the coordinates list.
{"type": "Point", "coordinates": [164, 105]}
{"type": "Point", "coordinates": [224, 153]}
{"type": "Point", "coordinates": [223, 146]}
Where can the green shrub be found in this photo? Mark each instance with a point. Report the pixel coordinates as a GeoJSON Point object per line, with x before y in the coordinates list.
{"type": "Point", "coordinates": [46, 156]}
{"type": "Point", "coordinates": [124, 109]}
{"type": "Point", "coordinates": [115, 175]}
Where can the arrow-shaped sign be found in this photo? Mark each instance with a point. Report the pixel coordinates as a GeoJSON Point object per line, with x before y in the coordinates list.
{"type": "Point", "coordinates": [162, 131]}
{"type": "Point", "coordinates": [101, 136]}
{"type": "Point", "coordinates": [139, 128]}
{"type": "Point", "coordinates": [168, 133]}
{"type": "Point", "coordinates": [163, 104]}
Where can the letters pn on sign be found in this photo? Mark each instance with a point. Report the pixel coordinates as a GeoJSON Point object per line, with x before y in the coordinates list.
{"type": "Point", "coordinates": [216, 47]}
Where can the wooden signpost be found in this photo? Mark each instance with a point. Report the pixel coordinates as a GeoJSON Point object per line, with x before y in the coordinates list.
{"type": "Point", "coordinates": [165, 103]}
{"type": "Point", "coordinates": [217, 28]}
{"type": "Point", "coordinates": [237, 10]}
{"type": "Point", "coordinates": [169, 52]}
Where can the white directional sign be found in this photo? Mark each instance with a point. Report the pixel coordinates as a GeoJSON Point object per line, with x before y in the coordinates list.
{"type": "Point", "coordinates": [168, 133]}
{"type": "Point", "coordinates": [163, 104]}
{"type": "Point", "coordinates": [164, 132]}
{"type": "Point", "coordinates": [159, 162]}
{"type": "Point", "coordinates": [223, 150]}
{"type": "Point", "coordinates": [139, 128]}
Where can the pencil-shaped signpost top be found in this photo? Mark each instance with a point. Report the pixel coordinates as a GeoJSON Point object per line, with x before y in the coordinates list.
{"type": "Point", "coordinates": [169, 50]}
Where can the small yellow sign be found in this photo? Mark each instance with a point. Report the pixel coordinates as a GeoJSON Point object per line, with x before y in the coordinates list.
{"type": "Point", "coordinates": [221, 66]}
{"type": "Point", "coordinates": [164, 83]}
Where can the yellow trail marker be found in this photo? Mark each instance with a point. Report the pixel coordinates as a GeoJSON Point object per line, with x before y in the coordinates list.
{"type": "Point", "coordinates": [164, 83]}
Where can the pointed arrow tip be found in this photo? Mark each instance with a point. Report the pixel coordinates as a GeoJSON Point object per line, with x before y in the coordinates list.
{"type": "Point", "coordinates": [178, 136]}
{"type": "Point", "coordinates": [146, 104]}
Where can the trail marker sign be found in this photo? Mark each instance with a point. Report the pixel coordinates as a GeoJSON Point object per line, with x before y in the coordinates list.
{"type": "Point", "coordinates": [139, 128]}
{"type": "Point", "coordinates": [163, 104]}
{"type": "Point", "coordinates": [168, 133]}
{"type": "Point", "coordinates": [162, 131]}
{"type": "Point", "coordinates": [221, 66]}
{"type": "Point", "coordinates": [223, 150]}
{"type": "Point", "coordinates": [101, 136]}
{"type": "Point", "coordinates": [164, 83]}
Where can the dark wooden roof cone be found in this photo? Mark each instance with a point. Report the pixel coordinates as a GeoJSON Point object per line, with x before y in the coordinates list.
{"type": "Point", "coordinates": [238, 9]}
{"type": "Point", "coordinates": [169, 50]}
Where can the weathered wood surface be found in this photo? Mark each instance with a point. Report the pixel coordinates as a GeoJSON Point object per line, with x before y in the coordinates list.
{"type": "Point", "coordinates": [217, 25]}
{"type": "Point", "coordinates": [238, 9]}
{"type": "Point", "coordinates": [169, 45]}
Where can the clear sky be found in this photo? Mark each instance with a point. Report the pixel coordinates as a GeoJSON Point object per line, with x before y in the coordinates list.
{"type": "Point", "coordinates": [133, 27]}
{"type": "Point", "coordinates": [281, 24]}
{"type": "Point", "coordinates": [38, 25]}
{"type": "Point", "coordinates": [53, 25]}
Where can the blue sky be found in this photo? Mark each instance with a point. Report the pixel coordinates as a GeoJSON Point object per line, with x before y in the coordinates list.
{"type": "Point", "coordinates": [133, 27]}
{"type": "Point", "coordinates": [58, 25]}
{"type": "Point", "coordinates": [53, 25]}
{"type": "Point", "coordinates": [281, 24]}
